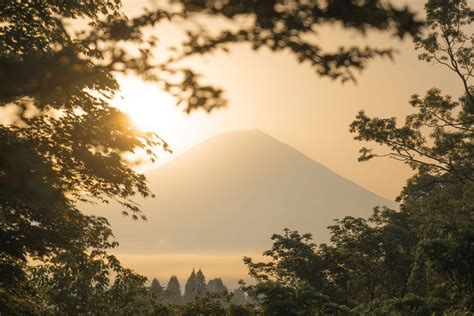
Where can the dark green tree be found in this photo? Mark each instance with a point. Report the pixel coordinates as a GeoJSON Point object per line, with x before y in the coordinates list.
{"type": "Point", "coordinates": [416, 261]}
{"type": "Point", "coordinates": [240, 310]}
{"type": "Point", "coordinates": [76, 282]}
{"type": "Point", "coordinates": [190, 287]}
{"type": "Point", "coordinates": [276, 298]}
{"type": "Point", "coordinates": [200, 288]}
{"type": "Point", "coordinates": [216, 285]}
{"type": "Point", "coordinates": [293, 259]}
{"type": "Point", "coordinates": [128, 295]}
{"type": "Point", "coordinates": [238, 297]}
{"type": "Point", "coordinates": [369, 258]}
{"type": "Point", "coordinates": [157, 289]}
{"type": "Point", "coordinates": [209, 304]}
{"type": "Point", "coordinates": [293, 280]}
{"type": "Point", "coordinates": [173, 291]}
{"type": "Point", "coordinates": [195, 286]}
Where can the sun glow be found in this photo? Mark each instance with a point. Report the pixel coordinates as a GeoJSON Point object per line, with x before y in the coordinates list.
{"type": "Point", "coordinates": [153, 110]}
{"type": "Point", "coordinates": [148, 107]}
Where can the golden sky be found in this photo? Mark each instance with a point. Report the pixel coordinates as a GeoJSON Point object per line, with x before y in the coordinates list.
{"type": "Point", "coordinates": [274, 93]}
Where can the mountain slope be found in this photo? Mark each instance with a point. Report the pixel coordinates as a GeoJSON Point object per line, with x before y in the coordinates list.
{"type": "Point", "coordinates": [233, 192]}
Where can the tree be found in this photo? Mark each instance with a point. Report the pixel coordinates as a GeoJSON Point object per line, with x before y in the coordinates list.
{"type": "Point", "coordinates": [156, 289]}
{"type": "Point", "coordinates": [437, 142]}
{"type": "Point", "coordinates": [292, 282]}
{"type": "Point", "coordinates": [369, 258]}
{"type": "Point", "coordinates": [240, 310]}
{"type": "Point", "coordinates": [195, 286]}
{"type": "Point", "coordinates": [275, 298]}
{"type": "Point", "coordinates": [209, 304]}
{"type": "Point", "coordinates": [293, 259]}
{"type": "Point", "coordinates": [448, 122]}
{"type": "Point", "coordinates": [190, 287]}
{"type": "Point", "coordinates": [69, 150]}
{"type": "Point", "coordinates": [68, 144]}
{"type": "Point", "coordinates": [77, 282]}
{"type": "Point", "coordinates": [238, 297]}
{"type": "Point", "coordinates": [200, 288]}
{"type": "Point", "coordinates": [216, 285]}
{"type": "Point", "coordinates": [128, 295]}
{"type": "Point", "coordinates": [173, 291]}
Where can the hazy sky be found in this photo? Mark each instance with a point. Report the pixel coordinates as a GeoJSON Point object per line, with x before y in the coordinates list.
{"type": "Point", "coordinates": [287, 100]}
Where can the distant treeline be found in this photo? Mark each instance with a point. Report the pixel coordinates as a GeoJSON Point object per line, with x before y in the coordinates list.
{"type": "Point", "coordinates": [196, 287]}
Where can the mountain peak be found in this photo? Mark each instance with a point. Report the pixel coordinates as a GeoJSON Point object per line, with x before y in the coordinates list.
{"type": "Point", "coordinates": [249, 133]}
{"type": "Point", "coordinates": [245, 181]}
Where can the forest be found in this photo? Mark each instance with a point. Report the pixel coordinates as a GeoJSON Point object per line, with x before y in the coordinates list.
{"type": "Point", "coordinates": [67, 144]}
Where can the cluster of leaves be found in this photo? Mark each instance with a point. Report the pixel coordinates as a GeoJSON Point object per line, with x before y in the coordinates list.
{"type": "Point", "coordinates": [293, 26]}
{"type": "Point", "coordinates": [415, 261]}
{"type": "Point", "coordinates": [367, 259]}
{"type": "Point", "coordinates": [381, 265]}
{"type": "Point", "coordinates": [211, 304]}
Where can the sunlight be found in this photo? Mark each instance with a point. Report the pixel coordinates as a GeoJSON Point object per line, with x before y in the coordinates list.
{"type": "Point", "coordinates": [154, 110]}
{"type": "Point", "coordinates": [148, 107]}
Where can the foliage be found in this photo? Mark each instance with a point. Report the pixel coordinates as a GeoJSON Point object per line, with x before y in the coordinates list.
{"type": "Point", "coordinates": [209, 304]}
{"type": "Point", "coordinates": [128, 295]}
{"type": "Point", "coordinates": [366, 259]}
{"type": "Point", "coordinates": [77, 282]}
{"type": "Point", "coordinates": [156, 289]}
{"type": "Point", "coordinates": [274, 298]}
{"type": "Point", "coordinates": [370, 258]}
{"type": "Point", "coordinates": [415, 261]}
{"type": "Point", "coordinates": [195, 286]}
{"type": "Point", "coordinates": [447, 122]}
{"type": "Point", "coordinates": [240, 310]}
{"type": "Point", "coordinates": [173, 291]}
{"type": "Point", "coordinates": [238, 297]}
{"type": "Point", "coordinates": [293, 25]}
{"type": "Point", "coordinates": [410, 305]}
{"type": "Point", "coordinates": [190, 287]}
{"type": "Point", "coordinates": [216, 285]}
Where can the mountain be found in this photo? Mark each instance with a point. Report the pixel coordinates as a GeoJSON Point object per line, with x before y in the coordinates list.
{"type": "Point", "coordinates": [233, 191]}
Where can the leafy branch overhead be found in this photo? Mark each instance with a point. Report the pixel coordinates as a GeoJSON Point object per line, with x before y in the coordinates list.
{"type": "Point", "coordinates": [293, 26]}
{"type": "Point", "coordinates": [438, 138]}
